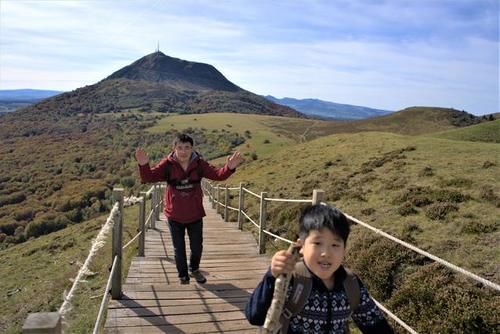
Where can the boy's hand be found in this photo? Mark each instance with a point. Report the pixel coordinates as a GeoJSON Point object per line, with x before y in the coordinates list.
{"type": "Point", "coordinates": [235, 160]}
{"type": "Point", "coordinates": [283, 262]}
{"type": "Point", "coordinates": [141, 157]}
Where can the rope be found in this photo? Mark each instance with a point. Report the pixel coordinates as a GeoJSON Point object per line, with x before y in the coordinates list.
{"type": "Point", "coordinates": [395, 317]}
{"type": "Point", "coordinates": [429, 255]}
{"type": "Point", "coordinates": [105, 297]}
{"type": "Point", "coordinates": [250, 219]}
{"type": "Point", "coordinates": [251, 193]}
{"type": "Point", "coordinates": [97, 243]}
{"type": "Point", "coordinates": [278, 237]}
{"type": "Point", "coordinates": [132, 240]}
{"type": "Point", "coordinates": [288, 200]}
{"type": "Point", "coordinates": [231, 208]}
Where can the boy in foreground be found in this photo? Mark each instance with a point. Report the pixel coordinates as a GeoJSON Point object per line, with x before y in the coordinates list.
{"type": "Point", "coordinates": [323, 235]}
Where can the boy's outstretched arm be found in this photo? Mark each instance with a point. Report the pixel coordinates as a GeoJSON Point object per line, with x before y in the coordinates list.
{"type": "Point", "coordinates": [282, 262]}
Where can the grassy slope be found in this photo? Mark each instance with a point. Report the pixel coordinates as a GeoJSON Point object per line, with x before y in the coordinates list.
{"type": "Point", "coordinates": [485, 132]}
{"type": "Point", "coordinates": [35, 274]}
{"type": "Point", "coordinates": [339, 164]}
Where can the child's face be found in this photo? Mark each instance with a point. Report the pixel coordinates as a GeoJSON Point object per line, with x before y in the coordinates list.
{"type": "Point", "coordinates": [323, 253]}
{"type": "Point", "coordinates": [183, 151]}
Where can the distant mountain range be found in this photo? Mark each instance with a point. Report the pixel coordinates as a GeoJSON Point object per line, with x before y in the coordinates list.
{"type": "Point", "coordinates": [329, 110]}
{"type": "Point", "coordinates": [13, 99]}
{"type": "Point", "coordinates": [24, 95]}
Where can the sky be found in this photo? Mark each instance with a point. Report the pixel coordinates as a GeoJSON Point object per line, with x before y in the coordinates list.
{"type": "Point", "coordinates": [390, 54]}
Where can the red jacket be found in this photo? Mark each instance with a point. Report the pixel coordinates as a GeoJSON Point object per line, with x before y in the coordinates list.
{"type": "Point", "coordinates": [183, 205]}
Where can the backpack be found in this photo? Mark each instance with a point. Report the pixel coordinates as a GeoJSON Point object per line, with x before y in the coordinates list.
{"type": "Point", "coordinates": [185, 184]}
{"type": "Point", "coordinates": [301, 289]}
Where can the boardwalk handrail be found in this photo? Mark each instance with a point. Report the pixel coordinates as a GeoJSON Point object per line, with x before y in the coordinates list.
{"type": "Point", "coordinates": [209, 190]}
{"type": "Point", "coordinates": [113, 287]}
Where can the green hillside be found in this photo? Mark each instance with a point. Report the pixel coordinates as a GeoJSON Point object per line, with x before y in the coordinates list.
{"type": "Point", "coordinates": [442, 195]}
{"type": "Point", "coordinates": [35, 274]}
{"type": "Point", "coordinates": [485, 132]}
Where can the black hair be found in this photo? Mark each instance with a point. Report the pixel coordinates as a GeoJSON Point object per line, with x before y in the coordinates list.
{"type": "Point", "coordinates": [316, 217]}
{"type": "Point", "coordinates": [183, 138]}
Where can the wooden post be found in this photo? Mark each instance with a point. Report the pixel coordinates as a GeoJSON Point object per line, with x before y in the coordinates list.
{"type": "Point", "coordinates": [158, 202]}
{"type": "Point", "coordinates": [212, 192]}
{"type": "Point", "coordinates": [262, 223]}
{"type": "Point", "coordinates": [43, 323]}
{"type": "Point", "coordinates": [142, 222]}
{"type": "Point", "coordinates": [318, 196]}
{"type": "Point", "coordinates": [218, 199]}
{"type": "Point", "coordinates": [226, 200]}
{"type": "Point", "coordinates": [241, 217]}
{"type": "Point", "coordinates": [154, 200]}
{"type": "Point", "coordinates": [116, 282]}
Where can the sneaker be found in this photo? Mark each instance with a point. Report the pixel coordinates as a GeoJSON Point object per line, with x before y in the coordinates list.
{"type": "Point", "coordinates": [184, 280]}
{"type": "Point", "coordinates": [198, 276]}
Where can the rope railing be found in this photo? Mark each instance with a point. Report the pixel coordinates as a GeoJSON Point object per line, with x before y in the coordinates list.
{"type": "Point", "coordinates": [262, 231]}
{"type": "Point", "coordinates": [97, 243]}
{"type": "Point", "coordinates": [113, 223]}
{"type": "Point", "coordinates": [105, 297]}
{"type": "Point", "coordinates": [427, 254]}
{"type": "Point", "coordinates": [251, 193]}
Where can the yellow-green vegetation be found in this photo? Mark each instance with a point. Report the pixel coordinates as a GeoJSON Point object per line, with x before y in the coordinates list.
{"type": "Point", "coordinates": [35, 274]}
{"type": "Point", "coordinates": [264, 135]}
{"type": "Point", "coordinates": [486, 132]}
{"type": "Point", "coordinates": [440, 195]}
{"type": "Point", "coordinates": [437, 193]}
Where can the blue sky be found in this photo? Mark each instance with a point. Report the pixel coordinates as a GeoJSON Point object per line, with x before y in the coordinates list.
{"type": "Point", "coordinates": [382, 54]}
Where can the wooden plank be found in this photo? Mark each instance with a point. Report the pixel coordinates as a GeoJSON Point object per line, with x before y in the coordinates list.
{"type": "Point", "coordinates": [154, 302]}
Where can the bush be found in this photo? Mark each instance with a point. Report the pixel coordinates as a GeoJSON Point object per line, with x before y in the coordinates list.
{"type": "Point", "coordinates": [406, 209]}
{"type": "Point", "coordinates": [128, 181]}
{"type": "Point", "coordinates": [439, 211]}
{"type": "Point", "coordinates": [426, 171]}
{"type": "Point", "coordinates": [47, 225]}
{"type": "Point", "coordinates": [489, 195]}
{"type": "Point", "coordinates": [14, 198]}
{"type": "Point", "coordinates": [433, 301]}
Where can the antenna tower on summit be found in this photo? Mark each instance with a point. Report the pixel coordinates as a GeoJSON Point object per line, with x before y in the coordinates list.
{"type": "Point", "coordinates": [158, 47]}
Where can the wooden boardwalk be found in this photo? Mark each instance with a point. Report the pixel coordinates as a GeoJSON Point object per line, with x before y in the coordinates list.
{"type": "Point", "coordinates": [154, 301]}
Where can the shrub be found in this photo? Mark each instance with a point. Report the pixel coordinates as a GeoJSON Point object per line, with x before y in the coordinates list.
{"type": "Point", "coordinates": [489, 195]}
{"type": "Point", "coordinates": [426, 171]}
{"type": "Point", "coordinates": [24, 214]}
{"type": "Point", "coordinates": [47, 225]}
{"type": "Point", "coordinates": [433, 301]}
{"type": "Point", "coordinates": [406, 209]}
{"type": "Point", "coordinates": [128, 181]}
{"type": "Point", "coordinates": [254, 156]}
{"type": "Point", "coordinates": [14, 198]}
{"type": "Point", "coordinates": [488, 164]}
{"type": "Point", "coordinates": [439, 211]}
{"type": "Point", "coordinates": [479, 227]}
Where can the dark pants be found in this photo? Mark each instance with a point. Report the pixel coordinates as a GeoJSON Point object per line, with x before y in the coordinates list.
{"type": "Point", "coordinates": [195, 233]}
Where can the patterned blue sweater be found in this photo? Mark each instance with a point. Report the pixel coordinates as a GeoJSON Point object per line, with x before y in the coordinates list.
{"type": "Point", "coordinates": [326, 311]}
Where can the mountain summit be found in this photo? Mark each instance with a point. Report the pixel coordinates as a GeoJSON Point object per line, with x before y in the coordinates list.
{"type": "Point", "coordinates": [160, 67]}
{"type": "Point", "coordinates": [159, 83]}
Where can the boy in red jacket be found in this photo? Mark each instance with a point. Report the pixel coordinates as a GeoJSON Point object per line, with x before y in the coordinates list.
{"type": "Point", "coordinates": [183, 207]}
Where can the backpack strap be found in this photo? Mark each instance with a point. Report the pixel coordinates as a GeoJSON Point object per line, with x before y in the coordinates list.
{"type": "Point", "coordinates": [351, 286]}
{"type": "Point", "coordinates": [182, 184]}
{"type": "Point", "coordinates": [301, 289]}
